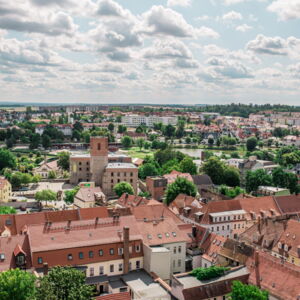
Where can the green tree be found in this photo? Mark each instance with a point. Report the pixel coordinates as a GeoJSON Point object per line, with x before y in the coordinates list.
{"type": "Point", "coordinates": [35, 141]}
{"type": "Point", "coordinates": [6, 210]}
{"type": "Point", "coordinates": [64, 160]}
{"type": "Point", "coordinates": [188, 166]}
{"type": "Point", "coordinates": [111, 127]}
{"type": "Point", "coordinates": [123, 187]}
{"type": "Point", "coordinates": [251, 143]}
{"type": "Point", "coordinates": [240, 291]}
{"type": "Point", "coordinates": [209, 273]}
{"type": "Point", "coordinates": [169, 131]}
{"type": "Point", "coordinates": [46, 141]}
{"type": "Point", "coordinates": [122, 128]}
{"type": "Point", "coordinates": [76, 135]}
{"type": "Point", "coordinates": [169, 166]}
{"type": "Point", "coordinates": [51, 174]}
{"type": "Point", "coordinates": [148, 169]}
{"type": "Point", "coordinates": [45, 195]}
{"type": "Point", "coordinates": [16, 180]}
{"type": "Point", "coordinates": [231, 176]}
{"type": "Point", "coordinates": [126, 141]}
{"type": "Point", "coordinates": [210, 142]}
{"type": "Point", "coordinates": [256, 178]}
{"type": "Point", "coordinates": [140, 143]}
{"type": "Point", "coordinates": [17, 285]}
{"type": "Point", "coordinates": [26, 178]}
{"type": "Point", "coordinates": [64, 283]}
{"type": "Point", "coordinates": [214, 168]}
{"type": "Point", "coordinates": [7, 159]}
{"type": "Point", "coordinates": [180, 186]}
{"type": "Point", "coordinates": [78, 126]}
{"type": "Point", "coordinates": [70, 195]}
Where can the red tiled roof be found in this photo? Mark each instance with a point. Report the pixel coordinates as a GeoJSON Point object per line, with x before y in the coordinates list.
{"type": "Point", "coordinates": [288, 204]}
{"type": "Point", "coordinates": [117, 296]}
{"type": "Point", "coordinates": [127, 200]}
{"type": "Point", "coordinates": [18, 250]}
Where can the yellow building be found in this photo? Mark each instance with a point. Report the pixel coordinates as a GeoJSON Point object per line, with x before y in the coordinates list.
{"type": "Point", "coordinates": [5, 190]}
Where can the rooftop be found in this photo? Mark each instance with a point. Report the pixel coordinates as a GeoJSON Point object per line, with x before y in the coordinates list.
{"type": "Point", "coordinates": [121, 166]}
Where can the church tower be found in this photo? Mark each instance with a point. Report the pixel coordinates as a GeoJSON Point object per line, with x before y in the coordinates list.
{"type": "Point", "coordinates": [99, 158]}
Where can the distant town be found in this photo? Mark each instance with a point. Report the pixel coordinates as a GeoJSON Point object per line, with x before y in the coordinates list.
{"type": "Point", "coordinates": [149, 202]}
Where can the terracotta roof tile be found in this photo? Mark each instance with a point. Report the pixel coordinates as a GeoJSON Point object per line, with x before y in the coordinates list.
{"type": "Point", "coordinates": [117, 296]}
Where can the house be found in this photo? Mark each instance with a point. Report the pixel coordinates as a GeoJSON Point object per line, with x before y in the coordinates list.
{"type": "Point", "coordinates": [89, 197]}
{"type": "Point", "coordinates": [156, 186]}
{"type": "Point", "coordinates": [105, 169]}
{"type": "Point", "coordinates": [46, 167]}
{"type": "Point", "coordinates": [203, 182]}
{"type": "Point", "coordinates": [271, 190]}
{"type": "Point", "coordinates": [187, 287]}
{"type": "Point", "coordinates": [127, 200]}
{"type": "Point", "coordinates": [5, 190]}
{"type": "Point", "coordinates": [174, 174]}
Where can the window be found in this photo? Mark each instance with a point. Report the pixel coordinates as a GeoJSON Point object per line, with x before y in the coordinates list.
{"type": "Point", "coordinates": [80, 163]}
{"type": "Point", "coordinates": [70, 257]}
{"type": "Point", "coordinates": [101, 270]}
{"type": "Point", "coordinates": [112, 181]}
{"type": "Point", "coordinates": [228, 227]}
{"type": "Point", "coordinates": [179, 263]}
{"type": "Point", "coordinates": [111, 268]}
{"type": "Point", "coordinates": [100, 252]}
{"type": "Point", "coordinates": [112, 174]}
{"type": "Point", "coordinates": [120, 267]}
{"type": "Point", "coordinates": [118, 180]}
{"type": "Point", "coordinates": [174, 263]}
{"type": "Point", "coordinates": [234, 226]}
{"type": "Point", "coordinates": [137, 264]}
{"type": "Point", "coordinates": [120, 251]}
{"type": "Point", "coordinates": [217, 228]}
{"type": "Point", "coordinates": [131, 174]}
{"type": "Point", "coordinates": [174, 250]}
{"type": "Point", "coordinates": [91, 254]}
{"type": "Point", "coordinates": [40, 260]}
{"type": "Point", "coordinates": [138, 248]}
{"type": "Point", "coordinates": [87, 169]}
{"type": "Point", "coordinates": [130, 266]}
{"type": "Point", "coordinates": [212, 229]}
{"type": "Point", "coordinates": [131, 180]}
{"type": "Point", "coordinates": [99, 146]}
{"type": "Point", "coordinates": [118, 174]}
{"type": "Point", "coordinates": [111, 251]}
{"type": "Point", "coordinates": [92, 273]}
{"type": "Point", "coordinates": [223, 227]}
{"type": "Point", "coordinates": [80, 254]}
{"type": "Point", "coordinates": [179, 249]}
{"type": "Point", "coordinates": [80, 169]}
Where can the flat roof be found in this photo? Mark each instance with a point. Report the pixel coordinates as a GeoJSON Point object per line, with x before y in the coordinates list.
{"type": "Point", "coordinates": [189, 281]}
{"type": "Point", "coordinates": [159, 249]}
{"type": "Point", "coordinates": [227, 213]}
{"type": "Point", "coordinates": [121, 166]}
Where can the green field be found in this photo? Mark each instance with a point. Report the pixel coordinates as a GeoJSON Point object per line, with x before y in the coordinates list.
{"type": "Point", "coordinates": [136, 152]}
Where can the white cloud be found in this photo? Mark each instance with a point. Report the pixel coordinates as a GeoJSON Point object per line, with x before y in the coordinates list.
{"type": "Point", "coordinates": [183, 3]}
{"type": "Point", "coordinates": [275, 46]}
{"type": "Point", "coordinates": [232, 2]}
{"type": "Point", "coordinates": [286, 9]}
{"type": "Point", "coordinates": [232, 15]}
{"type": "Point", "coordinates": [243, 28]}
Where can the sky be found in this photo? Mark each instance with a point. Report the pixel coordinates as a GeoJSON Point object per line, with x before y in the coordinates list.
{"type": "Point", "coordinates": [158, 52]}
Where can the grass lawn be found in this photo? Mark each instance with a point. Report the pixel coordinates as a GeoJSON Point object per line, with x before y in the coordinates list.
{"type": "Point", "coordinates": [136, 152]}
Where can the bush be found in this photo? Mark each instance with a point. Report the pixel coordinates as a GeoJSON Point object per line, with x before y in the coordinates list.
{"type": "Point", "coordinates": [209, 273]}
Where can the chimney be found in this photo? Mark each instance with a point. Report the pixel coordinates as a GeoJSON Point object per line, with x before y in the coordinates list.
{"type": "Point", "coordinates": [298, 250]}
{"type": "Point", "coordinates": [194, 231]}
{"type": "Point", "coordinates": [259, 225]}
{"type": "Point", "coordinates": [45, 269]}
{"type": "Point", "coordinates": [126, 249]}
{"type": "Point", "coordinates": [257, 275]}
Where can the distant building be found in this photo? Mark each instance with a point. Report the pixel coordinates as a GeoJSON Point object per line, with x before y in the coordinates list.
{"type": "Point", "coordinates": [156, 186]}
{"type": "Point", "coordinates": [149, 121]}
{"type": "Point", "coordinates": [5, 190]}
{"type": "Point", "coordinates": [105, 169]}
{"type": "Point", "coordinates": [89, 197]}
{"type": "Point", "coordinates": [44, 169]}
{"type": "Point", "coordinates": [272, 191]}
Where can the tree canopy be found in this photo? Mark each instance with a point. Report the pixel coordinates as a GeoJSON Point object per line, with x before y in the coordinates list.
{"type": "Point", "coordinates": [180, 186]}
{"type": "Point", "coordinates": [45, 195]}
{"type": "Point", "coordinates": [123, 187]}
{"type": "Point", "coordinates": [240, 291]}
{"type": "Point", "coordinates": [64, 160]}
{"type": "Point", "coordinates": [17, 285]}
{"type": "Point", "coordinates": [7, 159]}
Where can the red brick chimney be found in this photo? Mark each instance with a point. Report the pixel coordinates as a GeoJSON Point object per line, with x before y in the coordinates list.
{"type": "Point", "coordinates": [257, 274]}
{"type": "Point", "coordinates": [126, 249]}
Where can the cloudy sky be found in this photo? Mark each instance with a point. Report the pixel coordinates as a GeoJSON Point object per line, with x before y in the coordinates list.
{"type": "Point", "coordinates": [159, 51]}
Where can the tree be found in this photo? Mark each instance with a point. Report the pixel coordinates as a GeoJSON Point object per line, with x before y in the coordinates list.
{"type": "Point", "coordinates": [111, 127]}
{"type": "Point", "coordinates": [35, 141]}
{"type": "Point", "coordinates": [254, 179]}
{"type": "Point", "coordinates": [64, 160]}
{"type": "Point", "coordinates": [180, 186]}
{"type": "Point", "coordinates": [45, 195]}
{"type": "Point", "coordinates": [16, 180]}
{"type": "Point", "coordinates": [231, 192]}
{"type": "Point", "coordinates": [26, 178]}
{"type": "Point", "coordinates": [7, 159]}
{"type": "Point", "coordinates": [240, 291]}
{"type": "Point", "coordinates": [209, 273]}
{"type": "Point", "coordinates": [148, 169]}
{"type": "Point", "coordinates": [214, 168]}
{"type": "Point", "coordinates": [163, 156]}
{"type": "Point", "coordinates": [188, 166]}
{"type": "Point", "coordinates": [46, 141]}
{"type": "Point", "coordinates": [169, 131]}
{"type": "Point", "coordinates": [77, 126]}
{"type": "Point", "coordinates": [76, 135]}
{"type": "Point", "coordinates": [140, 143]}
{"type": "Point", "coordinates": [17, 285]}
{"type": "Point", "coordinates": [51, 174]}
{"type": "Point", "coordinates": [180, 129]}
{"type": "Point", "coordinates": [251, 143]}
{"type": "Point", "coordinates": [231, 176]}
{"type": "Point", "coordinates": [123, 187]}
{"type": "Point", "coordinates": [70, 195]}
{"type": "Point", "coordinates": [210, 142]}
{"type": "Point", "coordinates": [122, 128]}
{"type": "Point", "coordinates": [126, 141]}
{"type": "Point", "coordinates": [6, 210]}
{"type": "Point", "coordinates": [169, 166]}
{"type": "Point", "coordinates": [64, 283]}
